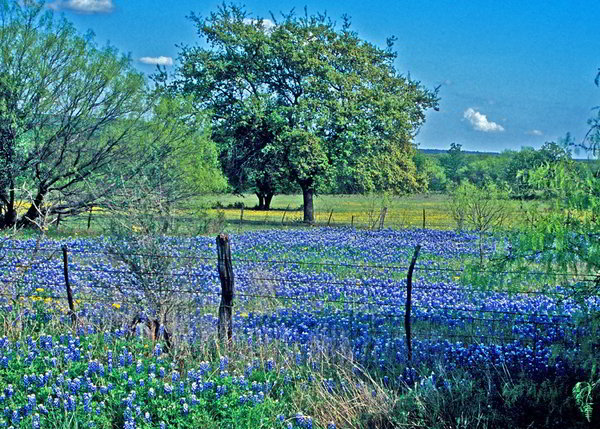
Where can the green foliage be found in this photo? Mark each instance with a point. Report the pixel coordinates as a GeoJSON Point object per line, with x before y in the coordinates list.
{"type": "Point", "coordinates": [305, 76]}
{"type": "Point", "coordinates": [453, 161]}
{"type": "Point", "coordinates": [584, 393]}
{"type": "Point", "coordinates": [431, 173]}
{"type": "Point", "coordinates": [69, 108]}
{"type": "Point", "coordinates": [482, 210]}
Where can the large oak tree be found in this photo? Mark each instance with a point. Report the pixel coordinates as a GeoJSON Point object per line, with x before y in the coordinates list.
{"type": "Point", "coordinates": [329, 104]}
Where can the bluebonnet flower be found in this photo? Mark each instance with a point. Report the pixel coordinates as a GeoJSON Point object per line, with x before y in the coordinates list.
{"type": "Point", "coordinates": [35, 421]}
{"type": "Point", "coordinates": [270, 365]}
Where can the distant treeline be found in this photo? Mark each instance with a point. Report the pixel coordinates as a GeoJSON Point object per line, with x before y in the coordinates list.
{"type": "Point", "coordinates": [510, 169]}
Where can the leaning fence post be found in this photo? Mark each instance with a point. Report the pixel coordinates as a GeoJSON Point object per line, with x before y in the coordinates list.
{"type": "Point", "coordinates": [68, 285]}
{"type": "Point", "coordinates": [284, 213]}
{"type": "Point", "coordinates": [330, 215]}
{"type": "Point", "coordinates": [90, 217]}
{"type": "Point", "coordinates": [382, 217]}
{"type": "Point", "coordinates": [409, 301]}
{"type": "Point", "coordinates": [226, 276]}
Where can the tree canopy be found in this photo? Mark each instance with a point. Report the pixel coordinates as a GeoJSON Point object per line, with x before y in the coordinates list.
{"type": "Point", "coordinates": [302, 100]}
{"type": "Point", "coordinates": [77, 122]}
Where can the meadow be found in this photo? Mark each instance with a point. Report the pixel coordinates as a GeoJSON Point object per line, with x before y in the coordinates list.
{"type": "Point", "coordinates": [359, 211]}
{"type": "Point", "coordinates": [318, 335]}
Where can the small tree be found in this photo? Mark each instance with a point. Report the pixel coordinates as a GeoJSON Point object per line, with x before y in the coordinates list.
{"type": "Point", "coordinates": [68, 109]}
{"type": "Point", "coordinates": [481, 209]}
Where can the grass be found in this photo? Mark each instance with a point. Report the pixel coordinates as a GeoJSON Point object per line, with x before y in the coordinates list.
{"type": "Point", "coordinates": [320, 365]}
{"type": "Point", "coordinates": [359, 211]}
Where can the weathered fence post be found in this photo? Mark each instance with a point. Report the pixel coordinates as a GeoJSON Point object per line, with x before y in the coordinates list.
{"type": "Point", "coordinates": [382, 217]}
{"type": "Point", "coordinates": [90, 218]}
{"type": "Point", "coordinates": [226, 276]}
{"type": "Point", "coordinates": [423, 217]}
{"type": "Point", "coordinates": [407, 321]}
{"type": "Point", "coordinates": [68, 285]}
{"type": "Point", "coordinates": [352, 222]}
{"type": "Point", "coordinates": [284, 213]}
{"type": "Point", "coordinates": [330, 215]}
{"type": "Point", "coordinates": [58, 222]}
{"type": "Point", "coordinates": [241, 214]}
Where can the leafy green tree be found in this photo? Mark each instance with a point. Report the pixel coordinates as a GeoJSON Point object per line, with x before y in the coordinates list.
{"type": "Point", "coordinates": [521, 163]}
{"type": "Point", "coordinates": [68, 111]}
{"type": "Point", "coordinates": [566, 237]}
{"type": "Point", "coordinates": [453, 161]}
{"type": "Point", "coordinates": [431, 172]}
{"type": "Point", "coordinates": [245, 156]}
{"type": "Point", "coordinates": [483, 170]}
{"type": "Point", "coordinates": [334, 105]}
{"type": "Point", "coordinates": [480, 209]}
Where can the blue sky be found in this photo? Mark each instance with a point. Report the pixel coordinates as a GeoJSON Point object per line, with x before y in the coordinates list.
{"type": "Point", "coordinates": [512, 73]}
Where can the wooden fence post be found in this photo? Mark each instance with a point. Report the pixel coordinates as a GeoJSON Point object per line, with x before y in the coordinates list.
{"type": "Point", "coordinates": [242, 214]}
{"type": "Point", "coordinates": [225, 267]}
{"type": "Point", "coordinates": [382, 217]}
{"type": "Point", "coordinates": [90, 218]}
{"type": "Point", "coordinates": [352, 223]}
{"type": "Point", "coordinates": [423, 217]}
{"type": "Point", "coordinates": [58, 221]}
{"type": "Point", "coordinates": [284, 213]}
{"type": "Point", "coordinates": [68, 285]}
{"type": "Point", "coordinates": [407, 321]}
{"type": "Point", "coordinates": [330, 214]}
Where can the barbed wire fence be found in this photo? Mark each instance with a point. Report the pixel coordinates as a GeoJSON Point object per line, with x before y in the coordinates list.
{"type": "Point", "coordinates": [411, 301]}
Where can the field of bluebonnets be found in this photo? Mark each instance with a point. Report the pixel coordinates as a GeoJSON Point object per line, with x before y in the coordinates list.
{"type": "Point", "coordinates": [318, 335]}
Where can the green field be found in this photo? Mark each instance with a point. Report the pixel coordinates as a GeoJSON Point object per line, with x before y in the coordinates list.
{"type": "Point", "coordinates": [359, 211]}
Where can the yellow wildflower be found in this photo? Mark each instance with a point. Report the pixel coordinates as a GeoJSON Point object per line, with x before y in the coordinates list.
{"type": "Point", "coordinates": [116, 305]}
{"type": "Point", "coordinates": [48, 300]}
{"type": "Point", "coordinates": [244, 314]}
{"type": "Point", "coordinates": [40, 289]}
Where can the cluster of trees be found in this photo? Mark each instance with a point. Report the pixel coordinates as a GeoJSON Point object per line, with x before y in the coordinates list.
{"type": "Point", "coordinates": [510, 170]}
{"type": "Point", "coordinates": [294, 104]}
{"type": "Point", "coordinates": [80, 127]}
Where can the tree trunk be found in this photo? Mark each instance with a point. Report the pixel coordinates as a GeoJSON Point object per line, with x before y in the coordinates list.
{"type": "Point", "coordinates": [10, 216]}
{"type": "Point", "coordinates": [268, 198]}
{"type": "Point", "coordinates": [261, 201]}
{"type": "Point", "coordinates": [33, 213]}
{"type": "Point", "coordinates": [307, 197]}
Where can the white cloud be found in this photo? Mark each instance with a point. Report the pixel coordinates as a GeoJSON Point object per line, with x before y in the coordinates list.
{"type": "Point", "coordinates": [535, 133]}
{"type": "Point", "coordinates": [84, 6]}
{"type": "Point", "coordinates": [161, 61]}
{"type": "Point", "coordinates": [480, 122]}
{"type": "Point", "coordinates": [267, 24]}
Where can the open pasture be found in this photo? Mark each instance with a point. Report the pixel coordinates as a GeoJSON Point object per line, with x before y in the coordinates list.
{"type": "Point", "coordinates": [316, 312]}
{"type": "Point", "coordinates": [359, 211]}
